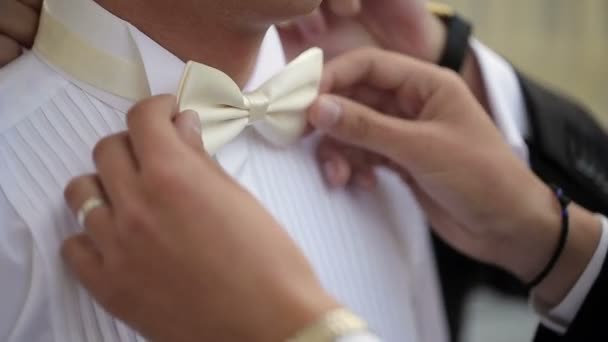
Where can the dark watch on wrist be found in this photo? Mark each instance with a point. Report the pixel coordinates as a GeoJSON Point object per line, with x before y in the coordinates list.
{"type": "Point", "coordinates": [457, 40]}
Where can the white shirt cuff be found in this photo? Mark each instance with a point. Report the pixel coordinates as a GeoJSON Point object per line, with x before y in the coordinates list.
{"type": "Point", "coordinates": [560, 317]}
{"type": "Point", "coordinates": [505, 98]}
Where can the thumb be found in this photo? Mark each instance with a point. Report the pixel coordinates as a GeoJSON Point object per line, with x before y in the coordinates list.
{"type": "Point", "coordinates": [188, 125]}
{"type": "Point", "coordinates": [361, 126]}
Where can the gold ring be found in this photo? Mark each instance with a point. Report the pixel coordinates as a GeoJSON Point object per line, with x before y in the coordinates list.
{"type": "Point", "coordinates": [86, 208]}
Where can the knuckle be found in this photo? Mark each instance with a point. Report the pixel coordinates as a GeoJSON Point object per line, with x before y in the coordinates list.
{"type": "Point", "coordinates": [448, 74]}
{"type": "Point", "coordinates": [70, 191]}
{"type": "Point", "coordinates": [143, 107]}
{"type": "Point", "coordinates": [102, 147]}
{"type": "Point", "coordinates": [73, 189]}
{"type": "Point", "coordinates": [133, 217]}
{"type": "Point", "coordinates": [451, 80]}
{"type": "Point", "coordinates": [165, 175]}
{"type": "Point", "coordinates": [107, 144]}
{"type": "Point", "coordinates": [158, 176]}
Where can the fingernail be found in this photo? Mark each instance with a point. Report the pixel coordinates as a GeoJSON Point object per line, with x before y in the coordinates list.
{"type": "Point", "coordinates": [192, 120]}
{"type": "Point", "coordinates": [329, 113]}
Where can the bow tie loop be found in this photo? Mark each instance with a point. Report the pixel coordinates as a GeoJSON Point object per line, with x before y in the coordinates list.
{"type": "Point", "coordinates": [277, 108]}
{"type": "Point", "coordinates": [257, 103]}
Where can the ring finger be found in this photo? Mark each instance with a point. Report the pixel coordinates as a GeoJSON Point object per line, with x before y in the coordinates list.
{"type": "Point", "coordinates": [98, 217]}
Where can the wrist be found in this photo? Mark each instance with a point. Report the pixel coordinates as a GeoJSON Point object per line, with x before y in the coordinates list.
{"type": "Point", "coordinates": [583, 240]}
{"type": "Point", "coordinates": [533, 231]}
{"type": "Point", "coordinates": [534, 239]}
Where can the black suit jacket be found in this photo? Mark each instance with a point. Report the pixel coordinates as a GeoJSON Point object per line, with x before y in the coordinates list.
{"type": "Point", "coordinates": [567, 148]}
{"type": "Point", "coordinates": [590, 322]}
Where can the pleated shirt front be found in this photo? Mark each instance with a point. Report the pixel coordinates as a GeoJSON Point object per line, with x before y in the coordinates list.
{"type": "Point", "coordinates": [370, 249]}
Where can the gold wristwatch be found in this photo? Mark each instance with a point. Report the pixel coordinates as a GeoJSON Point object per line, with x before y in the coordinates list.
{"type": "Point", "coordinates": [332, 326]}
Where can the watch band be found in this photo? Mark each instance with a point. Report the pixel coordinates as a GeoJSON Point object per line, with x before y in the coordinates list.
{"type": "Point", "coordinates": [332, 326]}
{"type": "Point", "coordinates": [458, 33]}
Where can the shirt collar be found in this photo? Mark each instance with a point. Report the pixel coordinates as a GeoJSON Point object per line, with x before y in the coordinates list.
{"type": "Point", "coordinates": [106, 32]}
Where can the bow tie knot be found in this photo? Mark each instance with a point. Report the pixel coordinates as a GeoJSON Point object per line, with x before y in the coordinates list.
{"type": "Point", "coordinates": [257, 103]}
{"type": "Point", "coordinates": [277, 108]}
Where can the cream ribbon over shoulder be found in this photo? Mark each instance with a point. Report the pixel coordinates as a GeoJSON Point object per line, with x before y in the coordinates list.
{"type": "Point", "coordinates": [276, 109]}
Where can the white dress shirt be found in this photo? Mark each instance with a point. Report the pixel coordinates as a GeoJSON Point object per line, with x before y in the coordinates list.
{"type": "Point", "coordinates": [371, 250]}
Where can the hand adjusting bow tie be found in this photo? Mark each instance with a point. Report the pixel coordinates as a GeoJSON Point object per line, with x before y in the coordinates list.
{"type": "Point", "coordinates": [276, 110]}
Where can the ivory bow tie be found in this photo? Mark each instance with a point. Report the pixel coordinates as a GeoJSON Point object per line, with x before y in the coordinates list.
{"type": "Point", "coordinates": [276, 109]}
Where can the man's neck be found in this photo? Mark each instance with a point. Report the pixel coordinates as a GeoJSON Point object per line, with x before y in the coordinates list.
{"type": "Point", "coordinates": [197, 34]}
